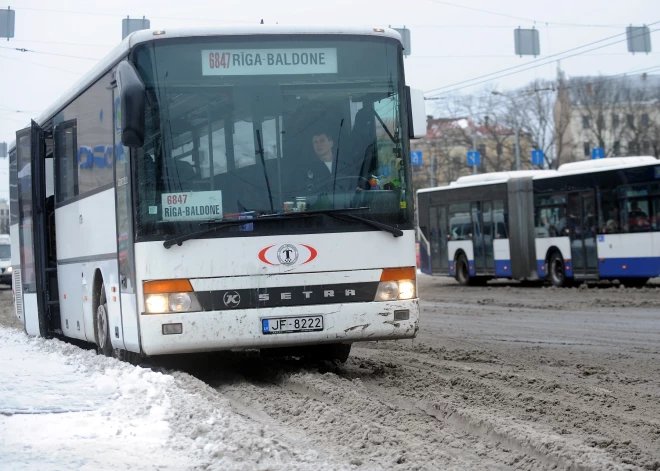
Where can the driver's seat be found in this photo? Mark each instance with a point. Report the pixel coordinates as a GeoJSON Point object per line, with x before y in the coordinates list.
{"type": "Point", "coordinates": [364, 157]}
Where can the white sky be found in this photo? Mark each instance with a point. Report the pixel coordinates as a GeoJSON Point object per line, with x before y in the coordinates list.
{"type": "Point", "coordinates": [450, 42]}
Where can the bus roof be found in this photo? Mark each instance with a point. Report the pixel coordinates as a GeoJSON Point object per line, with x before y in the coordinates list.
{"type": "Point", "coordinates": [143, 36]}
{"type": "Point", "coordinates": [606, 164]}
{"type": "Point", "coordinates": [572, 168]}
{"type": "Point", "coordinates": [490, 178]}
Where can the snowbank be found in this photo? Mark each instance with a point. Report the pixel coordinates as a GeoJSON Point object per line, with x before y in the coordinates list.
{"type": "Point", "coordinates": [62, 407]}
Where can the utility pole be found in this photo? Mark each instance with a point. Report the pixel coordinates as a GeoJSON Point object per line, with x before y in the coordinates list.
{"type": "Point", "coordinates": [433, 170]}
{"type": "Point", "coordinates": [517, 146]}
{"type": "Point", "coordinates": [474, 145]}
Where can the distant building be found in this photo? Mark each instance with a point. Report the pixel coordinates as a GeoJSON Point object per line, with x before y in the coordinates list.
{"type": "Point", "coordinates": [4, 217]}
{"type": "Point", "coordinates": [619, 114]}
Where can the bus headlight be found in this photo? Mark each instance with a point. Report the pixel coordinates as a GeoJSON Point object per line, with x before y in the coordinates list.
{"type": "Point", "coordinates": [156, 303]}
{"type": "Point", "coordinates": [9, 269]}
{"type": "Point", "coordinates": [180, 302]}
{"type": "Point", "coordinates": [397, 283]}
{"type": "Point", "coordinates": [406, 289]}
{"type": "Point", "coordinates": [387, 291]}
{"type": "Point", "coordinates": [169, 296]}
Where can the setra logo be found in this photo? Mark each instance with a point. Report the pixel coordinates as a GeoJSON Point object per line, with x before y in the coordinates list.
{"type": "Point", "coordinates": [287, 254]}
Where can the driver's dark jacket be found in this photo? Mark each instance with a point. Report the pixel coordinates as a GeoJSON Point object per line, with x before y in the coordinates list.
{"type": "Point", "coordinates": [312, 178]}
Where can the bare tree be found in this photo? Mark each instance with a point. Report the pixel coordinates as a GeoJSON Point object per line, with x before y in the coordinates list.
{"type": "Point", "coordinates": [535, 113]}
{"type": "Point", "coordinates": [483, 121]}
{"type": "Point", "coordinates": [617, 110]}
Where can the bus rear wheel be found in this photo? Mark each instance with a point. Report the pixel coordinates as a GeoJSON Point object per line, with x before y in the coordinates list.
{"type": "Point", "coordinates": [104, 345]}
{"type": "Point", "coordinates": [556, 272]}
{"type": "Point", "coordinates": [462, 270]}
{"type": "Point", "coordinates": [633, 282]}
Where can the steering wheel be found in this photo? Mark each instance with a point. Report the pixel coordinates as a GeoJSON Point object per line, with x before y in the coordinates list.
{"type": "Point", "coordinates": [347, 177]}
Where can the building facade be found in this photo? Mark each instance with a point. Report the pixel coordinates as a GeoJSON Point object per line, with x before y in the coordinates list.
{"type": "Point", "coordinates": [620, 115]}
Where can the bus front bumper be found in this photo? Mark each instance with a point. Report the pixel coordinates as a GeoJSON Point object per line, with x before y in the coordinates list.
{"type": "Point", "coordinates": [242, 329]}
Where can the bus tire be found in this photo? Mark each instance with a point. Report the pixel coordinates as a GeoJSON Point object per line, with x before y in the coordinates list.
{"type": "Point", "coordinates": [462, 270]}
{"type": "Point", "coordinates": [555, 270]}
{"type": "Point", "coordinates": [332, 352]}
{"type": "Point", "coordinates": [102, 326]}
{"type": "Point", "coordinates": [128, 357]}
{"type": "Point", "coordinates": [633, 282]}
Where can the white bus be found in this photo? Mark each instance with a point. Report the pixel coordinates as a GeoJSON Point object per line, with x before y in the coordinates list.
{"type": "Point", "coordinates": [5, 259]}
{"type": "Point", "coordinates": [226, 188]}
{"type": "Point", "coordinates": [589, 220]}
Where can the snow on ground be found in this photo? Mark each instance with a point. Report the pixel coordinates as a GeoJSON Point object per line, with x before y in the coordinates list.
{"type": "Point", "coordinates": [64, 408]}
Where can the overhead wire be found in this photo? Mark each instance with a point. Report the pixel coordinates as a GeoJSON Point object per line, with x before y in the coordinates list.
{"type": "Point", "coordinates": [547, 23]}
{"type": "Point", "coordinates": [544, 60]}
{"type": "Point", "coordinates": [105, 46]}
{"type": "Point", "coordinates": [508, 56]}
{"type": "Point", "coordinates": [530, 20]}
{"type": "Point", "coordinates": [520, 93]}
{"type": "Point", "coordinates": [96, 13]}
{"type": "Point", "coordinates": [518, 71]}
{"type": "Point", "coordinates": [41, 65]}
{"type": "Point", "coordinates": [22, 49]}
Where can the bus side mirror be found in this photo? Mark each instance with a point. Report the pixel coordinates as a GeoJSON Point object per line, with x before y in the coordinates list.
{"type": "Point", "coordinates": [132, 97]}
{"type": "Point", "coordinates": [416, 113]}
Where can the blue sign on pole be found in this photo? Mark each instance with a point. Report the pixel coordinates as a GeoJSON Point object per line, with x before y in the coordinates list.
{"type": "Point", "coordinates": [537, 157]}
{"type": "Point", "coordinates": [473, 158]}
{"type": "Point", "coordinates": [597, 153]}
{"type": "Point", "coordinates": [416, 157]}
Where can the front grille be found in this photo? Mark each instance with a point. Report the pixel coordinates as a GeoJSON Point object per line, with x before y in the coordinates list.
{"type": "Point", "coordinates": [18, 290]}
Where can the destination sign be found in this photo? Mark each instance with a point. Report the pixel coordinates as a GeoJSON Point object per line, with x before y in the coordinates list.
{"type": "Point", "coordinates": [192, 206]}
{"type": "Point", "coordinates": [269, 61]}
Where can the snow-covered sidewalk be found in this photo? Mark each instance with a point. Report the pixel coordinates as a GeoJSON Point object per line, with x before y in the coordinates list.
{"type": "Point", "coordinates": [64, 408]}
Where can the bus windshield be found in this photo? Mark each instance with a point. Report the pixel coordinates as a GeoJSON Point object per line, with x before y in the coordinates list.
{"type": "Point", "coordinates": [243, 128]}
{"type": "Point", "coordinates": [5, 252]}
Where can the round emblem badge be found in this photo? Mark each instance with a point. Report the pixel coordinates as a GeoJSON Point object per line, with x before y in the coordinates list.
{"type": "Point", "coordinates": [287, 254]}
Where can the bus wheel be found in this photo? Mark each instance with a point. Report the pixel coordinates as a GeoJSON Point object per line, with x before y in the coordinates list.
{"type": "Point", "coordinates": [333, 352]}
{"type": "Point", "coordinates": [103, 327]}
{"type": "Point", "coordinates": [128, 357]}
{"type": "Point", "coordinates": [633, 282]}
{"type": "Point", "coordinates": [556, 271]}
{"type": "Point", "coordinates": [462, 270]}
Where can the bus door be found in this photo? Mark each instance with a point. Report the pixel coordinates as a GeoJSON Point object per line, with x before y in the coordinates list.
{"type": "Point", "coordinates": [481, 262]}
{"type": "Point", "coordinates": [488, 228]}
{"type": "Point", "coordinates": [125, 249]}
{"type": "Point", "coordinates": [438, 233]}
{"type": "Point", "coordinates": [31, 283]}
{"type": "Point", "coordinates": [583, 230]}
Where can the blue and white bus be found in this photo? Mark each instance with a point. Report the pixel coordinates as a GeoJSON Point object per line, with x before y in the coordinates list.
{"type": "Point", "coordinates": [588, 220]}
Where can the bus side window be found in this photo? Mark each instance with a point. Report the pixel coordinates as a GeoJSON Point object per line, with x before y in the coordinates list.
{"type": "Point", "coordinates": [66, 165]}
{"type": "Point", "coordinates": [609, 213]}
{"type": "Point", "coordinates": [500, 215]}
{"type": "Point", "coordinates": [460, 222]}
{"type": "Point", "coordinates": [638, 215]}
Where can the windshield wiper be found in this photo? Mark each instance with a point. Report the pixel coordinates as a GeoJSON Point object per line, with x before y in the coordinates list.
{"type": "Point", "coordinates": [218, 225]}
{"type": "Point", "coordinates": [344, 215]}
{"type": "Point", "coordinates": [260, 151]}
{"type": "Point", "coordinates": [178, 240]}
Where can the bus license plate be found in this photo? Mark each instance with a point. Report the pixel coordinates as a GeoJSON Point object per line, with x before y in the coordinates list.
{"type": "Point", "coordinates": [286, 325]}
